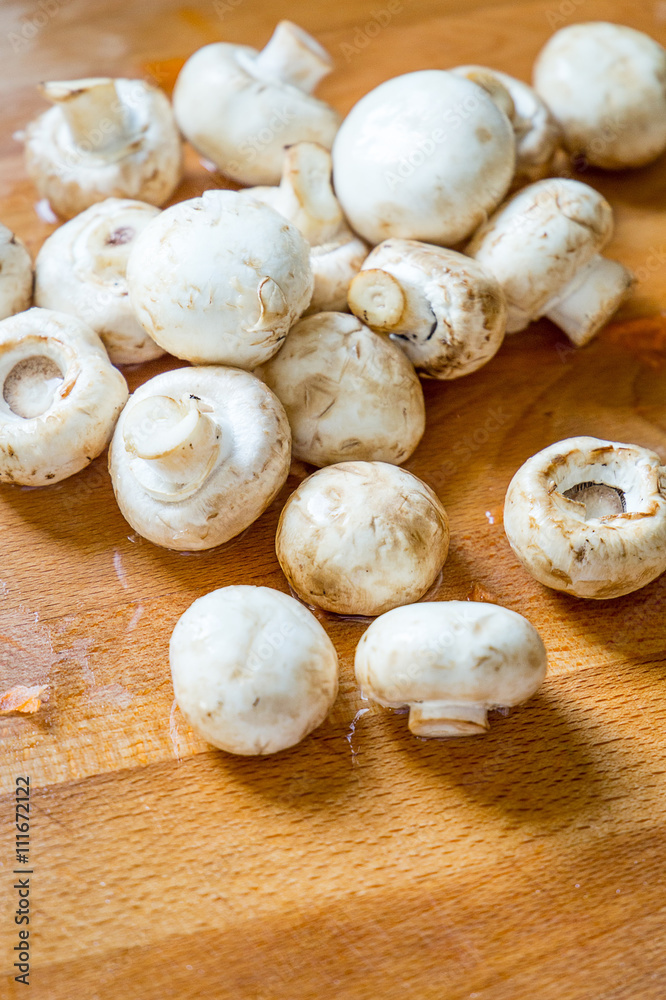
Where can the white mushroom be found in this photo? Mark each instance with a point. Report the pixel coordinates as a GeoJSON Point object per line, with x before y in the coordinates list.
{"type": "Point", "coordinates": [15, 274]}
{"type": "Point", "coordinates": [305, 197]}
{"type": "Point", "coordinates": [450, 661]}
{"type": "Point", "coordinates": [606, 85]}
{"type": "Point", "coordinates": [424, 156]}
{"type": "Point", "coordinates": [220, 279]}
{"type": "Point", "coordinates": [543, 248]}
{"type": "Point", "coordinates": [81, 269]}
{"type": "Point", "coordinates": [588, 517]}
{"type": "Point", "coordinates": [446, 312]}
{"type": "Point", "coordinates": [60, 397]}
{"type": "Point", "coordinates": [253, 670]}
{"type": "Point", "coordinates": [103, 138]}
{"type": "Point", "coordinates": [348, 393]}
{"type": "Point", "coordinates": [241, 108]}
{"type": "Point", "coordinates": [198, 455]}
{"type": "Point", "coordinates": [537, 133]}
{"type": "Point", "coordinates": [362, 537]}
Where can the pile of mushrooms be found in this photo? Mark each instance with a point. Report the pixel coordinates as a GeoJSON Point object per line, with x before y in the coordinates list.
{"type": "Point", "coordinates": [361, 255]}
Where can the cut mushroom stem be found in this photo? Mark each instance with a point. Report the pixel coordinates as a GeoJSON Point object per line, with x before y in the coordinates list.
{"type": "Point", "coordinates": [587, 303]}
{"type": "Point", "coordinates": [306, 193]}
{"type": "Point", "coordinates": [294, 56]}
{"type": "Point", "coordinates": [91, 108]}
{"type": "Point", "coordinates": [439, 718]}
{"type": "Point", "coordinates": [377, 298]}
{"type": "Point", "coordinates": [178, 441]}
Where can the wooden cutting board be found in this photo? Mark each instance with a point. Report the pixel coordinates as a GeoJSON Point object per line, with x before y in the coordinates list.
{"type": "Point", "coordinates": [363, 864]}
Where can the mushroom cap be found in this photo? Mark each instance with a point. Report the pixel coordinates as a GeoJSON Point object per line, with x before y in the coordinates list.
{"type": "Point", "coordinates": [455, 314]}
{"type": "Point", "coordinates": [225, 487]}
{"type": "Point", "coordinates": [81, 269]}
{"type": "Point", "coordinates": [425, 156]}
{"type": "Point", "coordinates": [536, 243]}
{"type": "Point", "coordinates": [220, 279]}
{"type": "Point", "coordinates": [253, 670]}
{"type": "Point", "coordinates": [16, 277]}
{"type": "Point", "coordinates": [567, 549]}
{"type": "Point", "coordinates": [360, 538]}
{"type": "Point", "coordinates": [606, 85]}
{"type": "Point", "coordinates": [61, 397]}
{"type": "Point", "coordinates": [442, 656]}
{"type": "Point", "coordinates": [349, 394]}
{"type": "Point", "coordinates": [243, 120]}
{"type": "Point", "coordinates": [146, 164]}
{"type": "Point", "coordinates": [537, 133]}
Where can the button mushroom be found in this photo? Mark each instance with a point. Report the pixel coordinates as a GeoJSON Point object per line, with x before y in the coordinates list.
{"type": "Point", "coordinates": [537, 133]}
{"type": "Point", "coordinates": [241, 108]}
{"type": "Point", "coordinates": [305, 198]}
{"type": "Point", "coordinates": [605, 84]}
{"type": "Point", "coordinates": [81, 269]}
{"type": "Point", "coordinates": [219, 279]}
{"type": "Point", "coordinates": [450, 661]}
{"type": "Point", "coordinates": [588, 517]}
{"type": "Point", "coordinates": [103, 138]}
{"type": "Point", "coordinates": [198, 454]}
{"type": "Point", "coordinates": [424, 156]}
{"type": "Point", "coordinates": [446, 312]}
{"type": "Point", "coordinates": [362, 537]}
{"type": "Point", "coordinates": [348, 394]}
{"type": "Point", "coordinates": [543, 248]}
{"type": "Point", "coordinates": [60, 397]}
{"type": "Point", "coordinates": [15, 274]}
{"type": "Point", "coordinates": [253, 670]}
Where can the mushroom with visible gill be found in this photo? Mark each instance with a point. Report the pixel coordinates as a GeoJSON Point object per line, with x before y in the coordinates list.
{"type": "Point", "coordinates": [588, 517]}
{"type": "Point", "coordinates": [220, 279]}
{"type": "Point", "coordinates": [103, 138]}
{"type": "Point", "coordinates": [16, 274]}
{"type": "Point", "coordinates": [349, 394]}
{"type": "Point", "coordinates": [446, 312]}
{"type": "Point", "coordinates": [61, 397]}
{"type": "Point", "coordinates": [241, 108]}
{"type": "Point", "coordinates": [198, 455]}
{"type": "Point", "coordinates": [81, 269]}
{"type": "Point", "coordinates": [450, 662]}
{"type": "Point", "coordinates": [360, 538]}
{"type": "Point", "coordinates": [253, 670]}
{"type": "Point", "coordinates": [543, 246]}
{"type": "Point", "coordinates": [305, 197]}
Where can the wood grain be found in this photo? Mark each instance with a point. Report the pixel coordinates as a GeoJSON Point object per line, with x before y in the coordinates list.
{"type": "Point", "coordinates": [364, 863]}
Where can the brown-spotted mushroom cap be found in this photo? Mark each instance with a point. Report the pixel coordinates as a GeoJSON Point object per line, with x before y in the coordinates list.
{"type": "Point", "coordinates": [103, 138]}
{"type": "Point", "coordinates": [543, 247]}
{"type": "Point", "coordinates": [61, 397]}
{"type": "Point", "coordinates": [305, 197]}
{"type": "Point", "coordinates": [606, 86]}
{"type": "Point", "coordinates": [220, 279]}
{"type": "Point", "coordinates": [81, 269]}
{"type": "Point", "coordinates": [588, 517]}
{"type": "Point", "coordinates": [253, 670]}
{"type": "Point", "coordinates": [242, 108]}
{"type": "Point", "coordinates": [16, 275]}
{"type": "Point", "coordinates": [197, 456]}
{"type": "Point", "coordinates": [446, 312]}
{"type": "Point", "coordinates": [360, 538]}
{"type": "Point", "coordinates": [450, 662]}
{"type": "Point", "coordinates": [349, 394]}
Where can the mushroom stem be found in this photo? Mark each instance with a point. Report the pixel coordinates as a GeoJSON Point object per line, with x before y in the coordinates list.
{"type": "Point", "coordinates": [307, 193]}
{"type": "Point", "coordinates": [439, 718]}
{"type": "Point", "coordinates": [587, 303]}
{"type": "Point", "coordinates": [177, 439]}
{"type": "Point", "coordinates": [377, 298]}
{"type": "Point", "coordinates": [294, 56]}
{"type": "Point", "coordinates": [92, 109]}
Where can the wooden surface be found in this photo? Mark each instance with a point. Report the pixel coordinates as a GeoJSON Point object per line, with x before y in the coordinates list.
{"type": "Point", "coordinates": [363, 864]}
